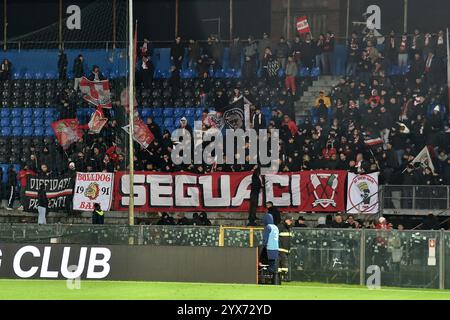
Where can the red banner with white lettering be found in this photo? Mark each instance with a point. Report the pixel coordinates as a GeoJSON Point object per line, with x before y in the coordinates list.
{"type": "Point", "coordinates": [302, 25]}
{"type": "Point", "coordinates": [311, 191]}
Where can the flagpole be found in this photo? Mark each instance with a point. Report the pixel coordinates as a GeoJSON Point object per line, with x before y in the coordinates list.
{"type": "Point", "coordinates": [131, 107]}
{"type": "Point", "coordinates": [448, 68]}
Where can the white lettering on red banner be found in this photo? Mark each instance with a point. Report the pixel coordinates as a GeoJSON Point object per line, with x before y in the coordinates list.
{"type": "Point", "coordinates": [316, 191]}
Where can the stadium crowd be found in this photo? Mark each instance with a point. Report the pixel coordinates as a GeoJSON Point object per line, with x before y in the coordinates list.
{"type": "Point", "coordinates": [373, 120]}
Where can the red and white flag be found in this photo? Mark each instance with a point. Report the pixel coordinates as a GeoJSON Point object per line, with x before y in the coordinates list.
{"type": "Point", "coordinates": [302, 25]}
{"type": "Point", "coordinates": [67, 131]}
{"type": "Point", "coordinates": [96, 92]}
{"type": "Point", "coordinates": [142, 133]}
{"type": "Point", "coordinates": [97, 122]}
{"type": "Point", "coordinates": [373, 142]}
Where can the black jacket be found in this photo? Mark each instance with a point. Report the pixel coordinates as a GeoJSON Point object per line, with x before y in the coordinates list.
{"type": "Point", "coordinates": [12, 178]}
{"type": "Point", "coordinates": [285, 236]}
{"type": "Point", "coordinates": [275, 214]}
{"type": "Point", "coordinates": [42, 198]}
{"type": "Point", "coordinates": [256, 185]}
{"type": "Point", "coordinates": [78, 70]}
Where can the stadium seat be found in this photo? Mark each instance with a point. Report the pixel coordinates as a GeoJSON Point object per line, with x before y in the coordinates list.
{"type": "Point", "coordinates": [179, 112]}
{"type": "Point", "coordinates": [38, 122]}
{"type": "Point", "coordinates": [157, 112]}
{"type": "Point", "coordinates": [168, 122]}
{"type": "Point", "coordinates": [305, 72]}
{"type": "Point", "coordinates": [5, 112]}
{"type": "Point", "coordinates": [315, 72]}
{"type": "Point", "coordinates": [49, 132]}
{"type": "Point", "coordinates": [6, 131]}
{"type": "Point", "coordinates": [16, 122]}
{"type": "Point", "coordinates": [16, 113]}
{"type": "Point", "coordinates": [190, 112]}
{"type": "Point", "coordinates": [17, 131]}
{"type": "Point", "coordinates": [38, 113]}
{"type": "Point", "coordinates": [168, 112]}
{"type": "Point", "coordinates": [28, 113]}
{"type": "Point", "coordinates": [38, 131]}
{"type": "Point", "coordinates": [147, 112]}
{"type": "Point", "coordinates": [27, 131]}
{"type": "Point", "coordinates": [5, 122]}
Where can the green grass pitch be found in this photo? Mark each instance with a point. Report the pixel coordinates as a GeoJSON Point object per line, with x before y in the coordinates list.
{"type": "Point", "coordinates": [54, 289]}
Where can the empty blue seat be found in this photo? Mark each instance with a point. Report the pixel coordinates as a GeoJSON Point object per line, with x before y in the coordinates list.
{"type": "Point", "coordinates": [168, 112]}
{"type": "Point", "coordinates": [49, 132]}
{"type": "Point", "coordinates": [5, 112]}
{"type": "Point", "coordinates": [38, 113]}
{"type": "Point", "coordinates": [48, 121]}
{"type": "Point", "coordinates": [157, 112]}
{"type": "Point", "coordinates": [190, 112]}
{"type": "Point", "coordinates": [49, 113]}
{"type": "Point", "coordinates": [305, 72]}
{"type": "Point", "coordinates": [17, 131]}
{"type": "Point", "coordinates": [39, 131]}
{"type": "Point", "coordinates": [191, 120]}
{"type": "Point", "coordinates": [27, 122]}
{"type": "Point", "coordinates": [179, 112]}
{"type": "Point", "coordinates": [315, 72]}
{"type": "Point", "coordinates": [168, 122]}
{"type": "Point", "coordinates": [147, 112]}
{"type": "Point", "coordinates": [198, 112]}
{"type": "Point", "coordinates": [38, 121]}
{"type": "Point", "coordinates": [158, 120]}
{"type": "Point", "coordinates": [5, 122]}
{"type": "Point", "coordinates": [27, 131]}
{"type": "Point", "coordinates": [27, 113]}
{"type": "Point", "coordinates": [6, 131]}
{"type": "Point", "coordinates": [16, 113]}
{"type": "Point", "coordinates": [16, 122]}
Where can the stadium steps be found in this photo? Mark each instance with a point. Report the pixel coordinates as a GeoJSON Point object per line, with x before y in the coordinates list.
{"type": "Point", "coordinates": [304, 104]}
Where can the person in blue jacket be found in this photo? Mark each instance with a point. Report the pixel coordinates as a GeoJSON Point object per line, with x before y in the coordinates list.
{"type": "Point", "coordinates": [270, 243]}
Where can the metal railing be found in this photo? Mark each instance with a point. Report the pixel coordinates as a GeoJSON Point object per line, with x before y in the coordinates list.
{"type": "Point", "coordinates": [405, 258]}
{"type": "Point", "coordinates": [415, 200]}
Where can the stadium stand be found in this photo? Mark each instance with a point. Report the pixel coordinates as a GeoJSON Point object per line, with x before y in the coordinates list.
{"type": "Point", "coordinates": [405, 107]}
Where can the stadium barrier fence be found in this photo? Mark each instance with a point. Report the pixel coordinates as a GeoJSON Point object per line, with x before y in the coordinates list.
{"type": "Point", "coordinates": [409, 258]}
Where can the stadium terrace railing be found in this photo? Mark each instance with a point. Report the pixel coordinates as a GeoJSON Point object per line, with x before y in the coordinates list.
{"type": "Point", "coordinates": [415, 200]}
{"type": "Point", "coordinates": [349, 256]}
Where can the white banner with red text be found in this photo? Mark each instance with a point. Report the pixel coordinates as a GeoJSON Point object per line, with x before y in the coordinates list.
{"type": "Point", "coordinates": [91, 188]}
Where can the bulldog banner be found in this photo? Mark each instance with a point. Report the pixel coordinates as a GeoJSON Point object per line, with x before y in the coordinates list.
{"type": "Point", "coordinates": [91, 188]}
{"type": "Point", "coordinates": [312, 191]}
{"type": "Point", "coordinates": [59, 191]}
{"type": "Point", "coordinates": [362, 194]}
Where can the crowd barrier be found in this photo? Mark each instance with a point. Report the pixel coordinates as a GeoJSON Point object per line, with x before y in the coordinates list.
{"type": "Point", "coordinates": [414, 259]}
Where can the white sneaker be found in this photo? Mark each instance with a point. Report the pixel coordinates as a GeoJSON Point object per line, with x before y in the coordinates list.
{"type": "Point", "coordinates": [20, 208]}
{"type": "Point", "coordinates": [9, 209]}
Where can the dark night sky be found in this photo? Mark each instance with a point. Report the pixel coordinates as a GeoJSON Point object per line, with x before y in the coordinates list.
{"type": "Point", "coordinates": [157, 17]}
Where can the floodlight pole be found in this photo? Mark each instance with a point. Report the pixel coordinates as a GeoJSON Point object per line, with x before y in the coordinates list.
{"type": "Point", "coordinates": [288, 21]}
{"type": "Point", "coordinates": [231, 20]}
{"type": "Point", "coordinates": [405, 16]}
{"type": "Point", "coordinates": [60, 23]}
{"type": "Point", "coordinates": [131, 54]}
{"type": "Point", "coordinates": [448, 67]}
{"type": "Point", "coordinates": [5, 25]}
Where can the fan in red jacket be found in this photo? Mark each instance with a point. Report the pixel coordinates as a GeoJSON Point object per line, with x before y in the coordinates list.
{"type": "Point", "coordinates": [290, 124]}
{"type": "Point", "coordinates": [23, 176]}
